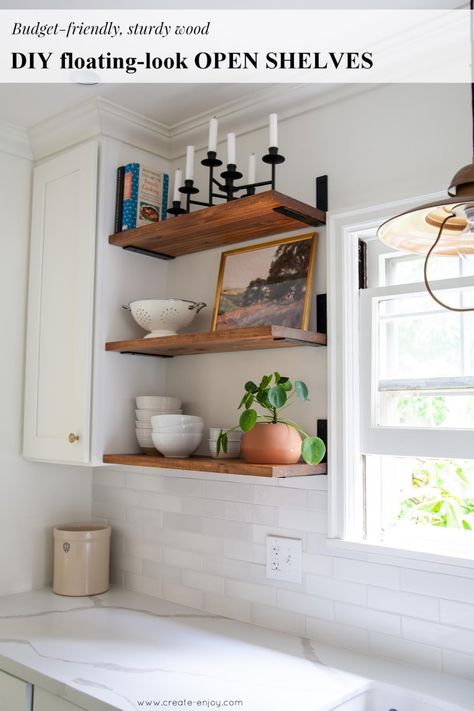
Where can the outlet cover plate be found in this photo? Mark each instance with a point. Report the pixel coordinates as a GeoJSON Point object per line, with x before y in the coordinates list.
{"type": "Point", "coordinates": [285, 559]}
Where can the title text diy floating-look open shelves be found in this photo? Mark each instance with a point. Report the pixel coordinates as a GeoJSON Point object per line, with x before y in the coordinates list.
{"type": "Point", "coordinates": [261, 215]}
{"type": "Point", "coordinates": [233, 339]}
{"type": "Point", "coordinates": [217, 466]}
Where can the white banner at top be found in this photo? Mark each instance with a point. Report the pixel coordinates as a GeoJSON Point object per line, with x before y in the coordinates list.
{"type": "Point", "coordinates": [307, 46]}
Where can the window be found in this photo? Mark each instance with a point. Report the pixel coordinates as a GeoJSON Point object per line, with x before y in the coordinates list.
{"type": "Point", "coordinates": [402, 394]}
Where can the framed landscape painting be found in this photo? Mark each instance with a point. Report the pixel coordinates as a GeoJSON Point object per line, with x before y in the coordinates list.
{"type": "Point", "coordinates": [266, 284]}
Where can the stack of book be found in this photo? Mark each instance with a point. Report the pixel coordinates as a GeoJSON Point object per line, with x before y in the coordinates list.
{"type": "Point", "coordinates": [142, 196]}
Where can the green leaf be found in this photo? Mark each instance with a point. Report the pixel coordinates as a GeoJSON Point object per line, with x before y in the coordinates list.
{"type": "Point", "coordinates": [242, 402]}
{"type": "Point", "coordinates": [262, 398]}
{"type": "Point", "coordinates": [265, 382]}
{"type": "Point", "coordinates": [301, 390]}
{"type": "Point", "coordinates": [287, 386]}
{"type": "Point", "coordinates": [283, 379]}
{"type": "Point", "coordinates": [247, 420]}
{"type": "Point", "coordinates": [248, 401]}
{"type": "Point", "coordinates": [277, 396]}
{"type": "Point", "coordinates": [313, 450]}
{"type": "Point", "coordinates": [277, 376]}
{"type": "Point", "coordinates": [222, 442]}
{"type": "Point", "coordinates": [250, 387]}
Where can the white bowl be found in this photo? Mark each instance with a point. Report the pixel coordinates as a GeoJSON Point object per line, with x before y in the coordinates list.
{"type": "Point", "coordinates": [187, 427]}
{"type": "Point", "coordinates": [235, 436]}
{"type": "Point", "coordinates": [164, 317]}
{"type": "Point", "coordinates": [144, 440]}
{"type": "Point", "coordinates": [170, 420]}
{"type": "Point", "coordinates": [146, 415]}
{"type": "Point", "coordinates": [176, 445]}
{"type": "Point", "coordinates": [151, 402]}
{"type": "Point", "coordinates": [233, 450]}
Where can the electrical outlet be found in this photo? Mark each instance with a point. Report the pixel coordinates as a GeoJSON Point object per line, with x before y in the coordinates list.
{"type": "Point", "coordinates": [285, 559]}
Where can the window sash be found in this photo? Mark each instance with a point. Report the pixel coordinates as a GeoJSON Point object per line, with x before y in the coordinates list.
{"type": "Point", "coordinates": [398, 440]}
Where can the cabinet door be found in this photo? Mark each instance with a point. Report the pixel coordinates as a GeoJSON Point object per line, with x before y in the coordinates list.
{"type": "Point", "coordinates": [60, 307]}
{"type": "Point", "coordinates": [15, 694]}
{"type": "Point", "coordinates": [44, 701]}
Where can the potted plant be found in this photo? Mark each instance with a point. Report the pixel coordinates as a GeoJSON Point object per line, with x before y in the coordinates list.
{"type": "Point", "coordinates": [269, 437]}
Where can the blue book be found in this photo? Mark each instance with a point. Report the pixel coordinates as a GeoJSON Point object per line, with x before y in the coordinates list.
{"type": "Point", "coordinates": [130, 196]}
{"type": "Point", "coordinates": [164, 204]}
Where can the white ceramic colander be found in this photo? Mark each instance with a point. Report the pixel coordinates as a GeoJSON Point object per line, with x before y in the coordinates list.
{"type": "Point", "coordinates": [163, 317]}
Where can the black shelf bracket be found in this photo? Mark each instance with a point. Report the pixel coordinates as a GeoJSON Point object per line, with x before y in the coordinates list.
{"type": "Point", "coordinates": [148, 252]}
{"type": "Point", "coordinates": [322, 193]}
{"type": "Point", "coordinates": [298, 342]}
{"type": "Point", "coordinates": [322, 432]}
{"type": "Point", "coordinates": [149, 355]}
{"type": "Point", "coordinates": [295, 215]}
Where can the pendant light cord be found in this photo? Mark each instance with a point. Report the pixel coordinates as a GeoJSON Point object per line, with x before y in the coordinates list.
{"type": "Point", "coordinates": [425, 271]}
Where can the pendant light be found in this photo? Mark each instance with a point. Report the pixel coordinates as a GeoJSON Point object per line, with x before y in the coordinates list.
{"type": "Point", "coordinates": [445, 227]}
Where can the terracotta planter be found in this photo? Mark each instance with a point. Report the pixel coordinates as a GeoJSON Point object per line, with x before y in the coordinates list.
{"type": "Point", "coordinates": [271, 444]}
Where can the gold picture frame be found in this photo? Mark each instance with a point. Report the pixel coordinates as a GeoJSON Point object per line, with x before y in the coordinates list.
{"type": "Point", "coordinates": [255, 292]}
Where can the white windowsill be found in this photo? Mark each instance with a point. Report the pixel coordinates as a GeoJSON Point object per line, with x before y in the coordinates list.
{"type": "Point", "coordinates": [461, 556]}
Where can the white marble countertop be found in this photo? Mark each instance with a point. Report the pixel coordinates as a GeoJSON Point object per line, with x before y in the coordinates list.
{"type": "Point", "coordinates": [115, 650]}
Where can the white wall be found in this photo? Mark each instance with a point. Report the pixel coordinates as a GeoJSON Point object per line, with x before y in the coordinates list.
{"type": "Point", "coordinates": [199, 539]}
{"type": "Point", "coordinates": [33, 496]}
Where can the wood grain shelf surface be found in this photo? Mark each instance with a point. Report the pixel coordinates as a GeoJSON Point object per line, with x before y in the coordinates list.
{"type": "Point", "coordinates": [261, 215]}
{"type": "Point", "coordinates": [217, 466]}
{"type": "Point", "coordinates": [234, 339]}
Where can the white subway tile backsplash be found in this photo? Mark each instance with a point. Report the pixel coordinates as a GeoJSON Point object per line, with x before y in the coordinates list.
{"type": "Point", "coordinates": [200, 541]}
{"type": "Point", "coordinates": [368, 619]}
{"type": "Point", "coordinates": [181, 595]}
{"type": "Point", "coordinates": [244, 550]}
{"type": "Point", "coordinates": [337, 634]}
{"type": "Point", "coordinates": [251, 592]}
{"type": "Point", "coordinates": [228, 491]}
{"type": "Point", "coordinates": [278, 496]}
{"type": "Point", "coordinates": [278, 619]}
{"type": "Point", "coordinates": [403, 603]}
{"type": "Point", "coordinates": [305, 604]}
{"type": "Point", "coordinates": [303, 520]}
{"type": "Point", "coordinates": [144, 482]}
{"type": "Point", "coordinates": [203, 581]}
{"type": "Point", "coordinates": [317, 564]}
{"type": "Point", "coordinates": [368, 573]}
{"type": "Point", "coordinates": [397, 648]}
{"type": "Point", "coordinates": [443, 586]}
{"type": "Point", "coordinates": [186, 560]}
{"type": "Point", "coordinates": [342, 590]}
{"type": "Point", "coordinates": [227, 606]}
{"type": "Point", "coordinates": [454, 638]}
{"type": "Point", "coordinates": [458, 614]}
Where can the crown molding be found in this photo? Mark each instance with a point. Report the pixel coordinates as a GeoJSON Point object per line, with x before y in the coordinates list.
{"type": "Point", "coordinates": [14, 141]}
{"type": "Point", "coordinates": [250, 114]}
{"type": "Point", "coordinates": [99, 117]}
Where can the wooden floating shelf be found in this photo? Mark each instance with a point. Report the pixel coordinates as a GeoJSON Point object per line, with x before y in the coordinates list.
{"type": "Point", "coordinates": [217, 466]}
{"type": "Point", "coordinates": [233, 339]}
{"type": "Point", "coordinates": [247, 218]}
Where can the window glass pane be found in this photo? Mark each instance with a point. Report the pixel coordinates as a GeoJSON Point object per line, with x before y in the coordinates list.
{"type": "Point", "coordinates": [419, 499]}
{"type": "Point", "coordinates": [425, 362]}
{"type": "Point", "coordinates": [409, 269]}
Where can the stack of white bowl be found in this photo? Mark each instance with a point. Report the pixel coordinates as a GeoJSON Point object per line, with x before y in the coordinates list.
{"type": "Point", "coordinates": [147, 407]}
{"type": "Point", "coordinates": [176, 435]}
{"type": "Point", "coordinates": [233, 444]}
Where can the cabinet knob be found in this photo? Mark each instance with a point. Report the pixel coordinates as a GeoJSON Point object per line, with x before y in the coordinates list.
{"type": "Point", "coordinates": [72, 437]}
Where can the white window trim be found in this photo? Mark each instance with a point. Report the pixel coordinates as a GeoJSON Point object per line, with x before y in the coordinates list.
{"type": "Point", "coordinates": [343, 371]}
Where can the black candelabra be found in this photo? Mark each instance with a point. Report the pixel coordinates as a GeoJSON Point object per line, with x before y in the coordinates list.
{"type": "Point", "coordinates": [226, 190]}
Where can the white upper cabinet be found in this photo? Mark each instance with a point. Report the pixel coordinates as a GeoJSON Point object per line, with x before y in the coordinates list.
{"type": "Point", "coordinates": [61, 307]}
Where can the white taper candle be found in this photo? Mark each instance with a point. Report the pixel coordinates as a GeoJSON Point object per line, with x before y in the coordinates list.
{"type": "Point", "coordinates": [189, 162]}
{"type": "Point", "coordinates": [178, 181]}
{"type": "Point", "coordinates": [273, 130]}
{"type": "Point", "coordinates": [213, 135]}
{"type": "Point", "coordinates": [231, 148]}
{"type": "Point", "coordinates": [251, 173]}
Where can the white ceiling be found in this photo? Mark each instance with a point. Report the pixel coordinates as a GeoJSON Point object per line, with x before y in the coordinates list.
{"type": "Point", "coordinates": [233, 4]}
